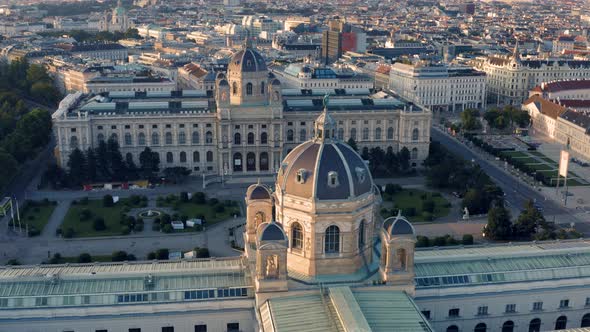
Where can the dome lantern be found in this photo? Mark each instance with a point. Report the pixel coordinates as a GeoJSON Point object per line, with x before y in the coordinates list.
{"type": "Point", "coordinates": [325, 126]}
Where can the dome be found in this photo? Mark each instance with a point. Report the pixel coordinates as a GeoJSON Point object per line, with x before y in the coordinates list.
{"type": "Point", "coordinates": [258, 191]}
{"type": "Point", "coordinates": [324, 170]}
{"type": "Point", "coordinates": [271, 231]}
{"type": "Point", "coordinates": [398, 225]}
{"type": "Point", "coordinates": [247, 60]}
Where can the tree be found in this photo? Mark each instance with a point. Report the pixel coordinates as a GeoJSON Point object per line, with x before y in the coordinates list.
{"type": "Point", "coordinates": [99, 224]}
{"type": "Point", "coordinates": [45, 92]}
{"type": "Point", "coordinates": [37, 73]}
{"type": "Point", "coordinates": [467, 239]}
{"type": "Point", "coordinates": [162, 253]}
{"type": "Point", "coordinates": [404, 159]}
{"type": "Point", "coordinates": [499, 226]}
{"type": "Point", "coordinates": [351, 142]}
{"type": "Point", "coordinates": [149, 162]}
{"type": "Point", "coordinates": [91, 170]}
{"type": "Point", "coordinates": [177, 174]}
{"type": "Point", "coordinates": [469, 119]}
{"type": "Point", "coordinates": [202, 252]}
{"type": "Point", "coordinates": [102, 163]}
{"type": "Point", "coordinates": [529, 222]}
{"type": "Point", "coordinates": [77, 167]}
{"type": "Point", "coordinates": [84, 258]}
{"type": "Point", "coordinates": [119, 256]}
{"type": "Point", "coordinates": [115, 162]}
{"type": "Point", "coordinates": [9, 167]}
{"type": "Point", "coordinates": [107, 201]}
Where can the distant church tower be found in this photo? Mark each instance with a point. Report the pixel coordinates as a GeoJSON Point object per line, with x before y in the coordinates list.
{"type": "Point", "coordinates": [119, 21]}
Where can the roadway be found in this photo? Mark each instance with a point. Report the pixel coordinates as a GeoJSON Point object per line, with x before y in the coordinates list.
{"type": "Point", "coordinates": [517, 193]}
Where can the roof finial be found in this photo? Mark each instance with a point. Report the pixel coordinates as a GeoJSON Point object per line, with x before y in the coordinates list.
{"type": "Point", "coordinates": [516, 52]}
{"type": "Point", "coordinates": [399, 213]}
{"type": "Point", "coordinates": [325, 101]}
{"type": "Point", "coordinates": [258, 181]}
{"type": "Point", "coordinates": [247, 41]}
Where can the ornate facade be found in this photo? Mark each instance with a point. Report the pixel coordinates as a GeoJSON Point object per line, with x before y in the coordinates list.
{"type": "Point", "coordinates": [116, 21]}
{"type": "Point", "coordinates": [244, 127]}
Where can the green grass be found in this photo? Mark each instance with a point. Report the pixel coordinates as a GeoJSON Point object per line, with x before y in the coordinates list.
{"type": "Point", "coordinates": [412, 198]}
{"type": "Point", "coordinates": [526, 160]}
{"type": "Point", "coordinates": [111, 216]}
{"type": "Point", "coordinates": [515, 154]}
{"type": "Point", "coordinates": [543, 167]}
{"type": "Point", "coordinates": [36, 215]}
{"type": "Point", "coordinates": [194, 210]}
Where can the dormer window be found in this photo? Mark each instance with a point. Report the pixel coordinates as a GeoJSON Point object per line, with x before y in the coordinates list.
{"type": "Point", "coordinates": [301, 176]}
{"type": "Point", "coordinates": [333, 179]}
{"type": "Point", "coordinates": [361, 174]}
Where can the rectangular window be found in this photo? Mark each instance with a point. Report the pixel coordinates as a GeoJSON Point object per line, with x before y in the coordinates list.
{"type": "Point", "coordinates": [454, 312]}
{"type": "Point", "coordinates": [113, 127]}
{"type": "Point", "coordinates": [195, 125]}
{"type": "Point", "coordinates": [426, 314]}
{"type": "Point", "coordinates": [588, 301]}
{"type": "Point", "coordinates": [483, 310]}
{"type": "Point", "coordinates": [233, 327]}
{"type": "Point", "coordinates": [168, 126]}
{"type": "Point", "coordinates": [127, 127]}
{"type": "Point", "coordinates": [510, 308]}
{"type": "Point", "coordinates": [250, 126]}
{"type": "Point", "coordinates": [289, 123]}
{"type": "Point", "coordinates": [101, 330]}
{"type": "Point", "coordinates": [3, 303]}
{"type": "Point", "coordinates": [155, 126]}
{"type": "Point", "coordinates": [135, 330]}
{"type": "Point", "coordinates": [201, 328]}
{"type": "Point", "coordinates": [564, 303]}
{"type": "Point", "coordinates": [168, 329]}
{"type": "Point", "coordinates": [69, 300]}
{"type": "Point", "coordinates": [302, 123]}
{"type": "Point", "coordinates": [140, 126]}
{"type": "Point", "coordinates": [85, 299]}
{"type": "Point", "coordinates": [208, 125]}
{"type": "Point", "coordinates": [73, 130]}
{"type": "Point", "coordinates": [99, 127]}
{"type": "Point", "coordinates": [41, 301]}
{"type": "Point", "coordinates": [181, 125]}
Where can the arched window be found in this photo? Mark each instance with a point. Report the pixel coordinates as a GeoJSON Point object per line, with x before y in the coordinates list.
{"type": "Point", "coordinates": [168, 138]}
{"type": "Point", "coordinates": [365, 134]}
{"type": "Point", "coordinates": [249, 89]}
{"type": "Point", "coordinates": [453, 328]}
{"type": "Point", "coordinates": [237, 162]}
{"type": "Point", "coordinates": [264, 161]}
{"type": "Point", "coordinates": [155, 139]}
{"type": "Point", "coordinates": [535, 325]}
{"type": "Point", "coordinates": [141, 139]}
{"type": "Point", "coordinates": [332, 240]}
{"type": "Point", "coordinates": [290, 135]}
{"type": "Point", "coordinates": [208, 137]}
{"type": "Point", "coordinates": [296, 236]}
{"type": "Point", "coordinates": [100, 138]}
{"type": "Point", "coordinates": [237, 139]}
{"type": "Point", "coordinates": [481, 327]}
{"type": "Point", "coordinates": [302, 135]}
{"type": "Point", "coordinates": [234, 89]}
{"type": "Point", "coordinates": [361, 235]}
{"type": "Point", "coordinates": [73, 142]}
{"type": "Point", "coordinates": [128, 139]}
{"type": "Point", "coordinates": [414, 154]}
{"type": "Point", "coordinates": [378, 134]}
{"type": "Point", "coordinates": [183, 157]}
{"type": "Point", "coordinates": [341, 134]}
{"type": "Point", "coordinates": [250, 138]}
{"type": "Point", "coordinates": [415, 134]}
{"type": "Point", "coordinates": [169, 157]}
{"type": "Point", "coordinates": [353, 133]}
{"type": "Point", "coordinates": [209, 156]}
{"type": "Point", "coordinates": [262, 86]}
{"type": "Point", "coordinates": [401, 254]}
{"type": "Point", "coordinates": [508, 326]}
{"type": "Point", "coordinates": [390, 133]}
{"type": "Point", "coordinates": [561, 323]}
{"type": "Point", "coordinates": [250, 161]}
{"type": "Point", "coordinates": [585, 321]}
{"type": "Point", "coordinates": [196, 157]}
{"type": "Point", "coordinates": [264, 138]}
{"type": "Point", "coordinates": [196, 138]}
{"type": "Point", "coordinates": [182, 137]}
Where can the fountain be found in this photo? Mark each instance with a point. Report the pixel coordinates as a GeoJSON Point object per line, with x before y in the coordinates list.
{"type": "Point", "coordinates": [150, 214]}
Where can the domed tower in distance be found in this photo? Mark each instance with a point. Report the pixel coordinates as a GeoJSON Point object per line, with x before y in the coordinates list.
{"type": "Point", "coordinates": [248, 77]}
{"type": "Point", "coordinates": [398, 240]}
{"type": "Point", "coordinates": [326, 202]}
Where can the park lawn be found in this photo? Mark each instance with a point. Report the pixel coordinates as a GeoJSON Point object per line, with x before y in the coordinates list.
{"type": "Point", "coordinates": [515, 154]}
{"type": "Point", "coordinates": [111, 216]}
{"type": "Point", "coordinates": [411, 198]}
{"type": "Point", "coordinates": [36, 216]}
{"type": "Point", "coordinates": [526, 160]}
{"type": "Point", "coordinates": [95, 258]}
{"type": "Point", "coordinates": [543, 167]}
{"type": "Point", "coordinates": [193, 210]}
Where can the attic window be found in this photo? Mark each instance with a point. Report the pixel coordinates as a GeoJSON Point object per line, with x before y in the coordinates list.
{"type": "Point", "coordinates": [333, 179]}
{"type": "Point", "coordinates": [301, 176]}
{"type": "Point", "coordinates": [361, 174]}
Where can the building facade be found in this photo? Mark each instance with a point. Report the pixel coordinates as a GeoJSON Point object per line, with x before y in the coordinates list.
{"type": "Point", "coordinates": [246, 126]}
{"type": "Point", "coordinates": [439, 87]}
{"type": "Point", "coordinates": [509, 78]}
